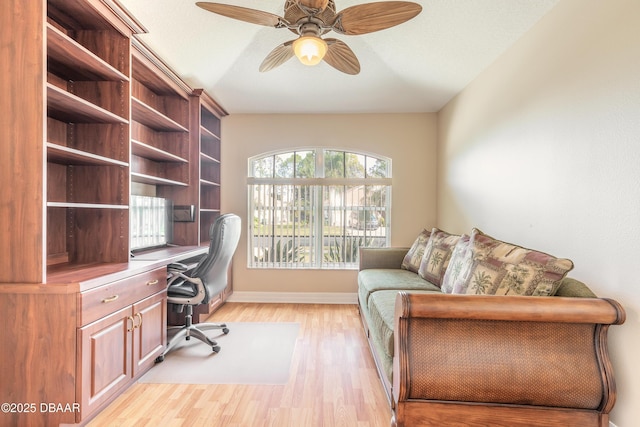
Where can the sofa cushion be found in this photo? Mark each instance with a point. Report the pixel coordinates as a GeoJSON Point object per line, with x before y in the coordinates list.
{"type": "Point", "coordinates": [436, 256]}
{"type": "Point", "coordinates": [413, 257]}
{"type": "Point", "coordinates": [381, 309]}
{"type": "Point", "coordinates": [573, 288]}
{"type": "Point", "coordinates": [492, 267]}
{"type": "Point", "coordinates": [377, 279]}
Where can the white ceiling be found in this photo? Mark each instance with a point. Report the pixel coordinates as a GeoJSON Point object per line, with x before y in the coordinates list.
{"type": "Point", "coordinates": [417, 66]}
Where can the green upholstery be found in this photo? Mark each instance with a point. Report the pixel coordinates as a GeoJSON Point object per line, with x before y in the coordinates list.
{"type": "Point", "coordinates": [378, 287]}
{"type": "Point", "coordinates": [573, 288]}
{"type": "Point", "coordinates": [390, 279]}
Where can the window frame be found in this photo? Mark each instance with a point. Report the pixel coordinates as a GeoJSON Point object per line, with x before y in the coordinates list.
{"type": "Point", "coordinates": [319, 184]}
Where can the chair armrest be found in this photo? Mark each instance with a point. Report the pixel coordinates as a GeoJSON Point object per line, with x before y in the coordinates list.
{"type": "Point", "coordinates": [514, 350]}
{"type": "Point", "coordinates": [381, 257]}
{"type": "Point", "coordinates": [201, 292]}
{"type": "Point", "coordinates": [177, 267]}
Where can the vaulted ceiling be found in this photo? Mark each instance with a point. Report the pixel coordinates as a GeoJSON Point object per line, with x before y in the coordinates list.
{"type": "Point", "coordinates": [417, 66]}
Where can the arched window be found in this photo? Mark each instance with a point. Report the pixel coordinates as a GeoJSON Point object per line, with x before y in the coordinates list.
{"type": "Point", "coordinates": [315, 207]}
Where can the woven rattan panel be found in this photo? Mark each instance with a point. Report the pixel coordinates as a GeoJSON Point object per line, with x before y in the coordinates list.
{"type": "Point", "coordinates": [504, 362]}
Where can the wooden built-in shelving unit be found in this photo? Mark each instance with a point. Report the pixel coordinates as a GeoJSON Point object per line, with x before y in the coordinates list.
{"type": "Point", "coordinates": [87, 93]}
{"type": "Point", "coordinates": [89, 117]}
{"type": "Point", "coordinates": [160, 122]}
{"type": "Point", "coordinates": [209, 160]}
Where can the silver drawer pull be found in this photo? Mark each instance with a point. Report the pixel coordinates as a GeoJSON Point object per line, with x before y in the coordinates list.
{"type": "Point", "coordinates": [110, 299]}
{"type": "Point", "coordinates": [152, 282]}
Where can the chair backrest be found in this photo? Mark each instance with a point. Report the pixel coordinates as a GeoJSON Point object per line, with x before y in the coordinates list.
{"type": "Point", "coordinates": [224, 235]}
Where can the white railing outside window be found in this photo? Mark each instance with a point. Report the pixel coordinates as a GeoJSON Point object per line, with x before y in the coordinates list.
{"type": "Point", "coordinates": [314, 208]}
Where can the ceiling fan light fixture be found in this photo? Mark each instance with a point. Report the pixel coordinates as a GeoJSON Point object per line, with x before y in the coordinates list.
{"type": "Point", "coordinates": [310, 49]}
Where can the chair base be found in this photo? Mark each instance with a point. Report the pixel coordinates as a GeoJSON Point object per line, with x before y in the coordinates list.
{"type": "Point", "coordinates": [190, 330]}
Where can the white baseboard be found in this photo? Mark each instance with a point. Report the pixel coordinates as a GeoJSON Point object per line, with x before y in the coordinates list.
{"type": "Point", "coordinates": [295, 297]}
{"type": "Point", "coordinates": [612, 424]}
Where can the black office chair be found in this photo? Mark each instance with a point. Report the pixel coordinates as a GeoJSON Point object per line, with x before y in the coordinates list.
{"type": "Point", "coordinates": [207, 279]}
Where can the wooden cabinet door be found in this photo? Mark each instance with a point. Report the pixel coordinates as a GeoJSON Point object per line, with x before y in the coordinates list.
{"type": "Point", "coordinates": [105, 361]}
{"type": "Point", "coordinates": [150, 331]}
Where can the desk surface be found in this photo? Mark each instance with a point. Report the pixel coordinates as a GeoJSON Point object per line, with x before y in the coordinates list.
{"type": "Point", "coordinates": [169, 252]}
{"type": "Point", "coordinates": [88, 276]}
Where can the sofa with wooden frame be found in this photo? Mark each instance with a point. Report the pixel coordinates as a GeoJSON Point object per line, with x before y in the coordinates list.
{"type": "Point", "coordinates": [477, 360]}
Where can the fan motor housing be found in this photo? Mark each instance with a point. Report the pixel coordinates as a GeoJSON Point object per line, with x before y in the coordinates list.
{"type": "Point", "coordinates": [309, 28]}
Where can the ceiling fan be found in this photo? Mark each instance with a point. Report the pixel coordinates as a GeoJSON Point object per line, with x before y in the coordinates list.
{"type": "Point", "coordinates": [311, 19]}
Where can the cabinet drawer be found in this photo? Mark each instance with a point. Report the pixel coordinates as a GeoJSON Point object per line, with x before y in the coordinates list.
{"type": "Point", "coordinates": [106, 299]}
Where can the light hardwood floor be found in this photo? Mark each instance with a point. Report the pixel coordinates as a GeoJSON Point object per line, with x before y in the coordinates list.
{"type": "Point", "coordinates": [333, 381]}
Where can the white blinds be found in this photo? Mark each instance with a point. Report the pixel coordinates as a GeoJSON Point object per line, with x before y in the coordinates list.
{"type": "Point", "coordinates": [315, 226]}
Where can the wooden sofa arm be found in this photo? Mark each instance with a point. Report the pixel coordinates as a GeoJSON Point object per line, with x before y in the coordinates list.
{"type": "Point", "coordinates": [386, 257]}
{"type": "Point", "coordinates": [474, 351]}
{"type": "Point", "coordinates": [514, 308]}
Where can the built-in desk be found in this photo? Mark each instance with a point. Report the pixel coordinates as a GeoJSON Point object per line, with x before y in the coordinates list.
{"type": "Point", "coordinates": [87, 334]}
{"type": "Point", "coordinates": [87, 276]}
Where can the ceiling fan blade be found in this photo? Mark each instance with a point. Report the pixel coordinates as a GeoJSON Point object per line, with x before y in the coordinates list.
{"type": "Point", "coordinates": [370, 17]}
{"type": "Point", "coordinates": [341, 57]}
{"type": "Point", "coordinates": [252, 16]}
{"type": "Point", "coordinates": [277, 57]}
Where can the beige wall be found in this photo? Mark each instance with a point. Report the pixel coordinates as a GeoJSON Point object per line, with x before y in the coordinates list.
{"type": "Point", "coordinates": [408, 139]}
{"type": "Point", "coordinates": [543, 149]}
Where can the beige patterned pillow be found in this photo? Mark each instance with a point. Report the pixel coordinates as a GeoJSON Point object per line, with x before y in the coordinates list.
{"type": "Point", "coordinates": [493, 267]}
{"type": "Point", "coordinates": [436, 256]}
{"type": "Point", "coordinates": [460, 260]}
{"type": "Point", "coordinates": [412, 259]}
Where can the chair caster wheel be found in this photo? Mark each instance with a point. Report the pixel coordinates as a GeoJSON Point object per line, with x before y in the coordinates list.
{"type": "Point", "coordinates": [159, 359]}
{"type": "Point", "coordinates": [216, 348]}
{"type": "Point", "coordinates": [225, 330]}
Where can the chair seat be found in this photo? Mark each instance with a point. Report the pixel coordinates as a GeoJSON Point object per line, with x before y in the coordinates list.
{"type": "Point", "coordinates": [182, 289]}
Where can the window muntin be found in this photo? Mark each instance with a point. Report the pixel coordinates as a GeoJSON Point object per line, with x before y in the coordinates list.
{"type": "Point", "coordinates": [314, 208]}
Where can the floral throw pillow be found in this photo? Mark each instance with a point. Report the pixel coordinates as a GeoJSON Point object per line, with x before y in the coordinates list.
{"type": "Point", "coordinates": [412, 259]}
{"type": "Point", "coordinates": [436, 256]}
{"type": "Point", "coordinates": [493, 267]}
